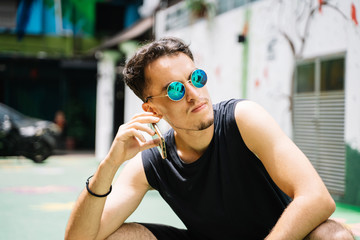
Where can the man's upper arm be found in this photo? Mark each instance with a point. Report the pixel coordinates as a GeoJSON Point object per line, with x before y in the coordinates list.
{"type": "Point", "coordinates": [287, 165]}
{"type": "Point", "coordinates": [126, 195]}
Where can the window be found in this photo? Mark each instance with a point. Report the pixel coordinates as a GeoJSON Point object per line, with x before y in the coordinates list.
{"type": "Point", "coordinates": [305, 75]}
{"type": "Point", "coordinates": [8, 10]}
{"type": "Point", "coordinates": [332, 75]}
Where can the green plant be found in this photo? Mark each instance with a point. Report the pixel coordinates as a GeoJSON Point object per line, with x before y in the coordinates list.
{"type": "Point", "coordinates": [200, 8]}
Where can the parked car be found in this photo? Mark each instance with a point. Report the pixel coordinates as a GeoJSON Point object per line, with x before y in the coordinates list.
{"type": "Point", "coordinates": [26, 136]}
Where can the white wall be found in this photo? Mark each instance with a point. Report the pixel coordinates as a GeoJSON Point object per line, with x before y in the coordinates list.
{"type": "Point", "coordinates": [331, 30]}
{"type": "Point", "coordinates": [352, 86]}
{"type": "Point", "coordinates": [216, 49]}
{"type": "Point", "coordinates": [221, 61]}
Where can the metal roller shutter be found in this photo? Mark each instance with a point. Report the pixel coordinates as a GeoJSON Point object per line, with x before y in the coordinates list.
{"type": "Point", "coordinates": [319, 132]}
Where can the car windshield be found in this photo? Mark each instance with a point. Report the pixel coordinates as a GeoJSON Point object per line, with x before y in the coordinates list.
{"type": "Point", "coordinates": [12, 113]}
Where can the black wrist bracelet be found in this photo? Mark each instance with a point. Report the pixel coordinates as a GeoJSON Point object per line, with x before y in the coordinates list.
{"type": "Point", "coordinates": [94, 194]}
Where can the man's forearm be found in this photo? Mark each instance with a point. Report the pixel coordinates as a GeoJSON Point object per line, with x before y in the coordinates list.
{"type": "Point", "coordinates": [301, 216]}
{"type": "Point", "coordinates": [84, 221]}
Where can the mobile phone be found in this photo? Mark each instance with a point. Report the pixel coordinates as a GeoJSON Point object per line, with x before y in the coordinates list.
{"type": "Point", "coordinates": [161, 147]}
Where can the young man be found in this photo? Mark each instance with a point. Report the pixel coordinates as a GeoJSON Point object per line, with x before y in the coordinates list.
{"type": "Point", "coordinates": [230, 172]}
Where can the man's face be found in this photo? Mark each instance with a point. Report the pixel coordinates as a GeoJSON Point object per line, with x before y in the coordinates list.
{"type": "Point", "coordinates": [194, 112]}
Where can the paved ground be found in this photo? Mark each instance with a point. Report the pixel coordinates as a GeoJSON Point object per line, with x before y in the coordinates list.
{"type": "Point", "coordinates": [36, 199]}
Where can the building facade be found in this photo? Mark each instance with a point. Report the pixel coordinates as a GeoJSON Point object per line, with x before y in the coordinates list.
{"type": "Point", "coordinates": [298, 59]}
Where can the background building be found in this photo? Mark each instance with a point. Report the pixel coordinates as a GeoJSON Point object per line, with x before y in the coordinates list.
{"type": "Point", "coordinates": [298, 59]}
{"type": "Point", "coordinates": [48, 62]}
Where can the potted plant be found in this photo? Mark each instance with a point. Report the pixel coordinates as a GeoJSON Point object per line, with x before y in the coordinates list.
{"type": "Point", "coordinates": [200, 8]}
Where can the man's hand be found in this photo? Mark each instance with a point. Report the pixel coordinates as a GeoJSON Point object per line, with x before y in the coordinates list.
{"type": "Point", "coordinates": [91, 218]}
{"type": "Point", "coordinates": [129, 141]}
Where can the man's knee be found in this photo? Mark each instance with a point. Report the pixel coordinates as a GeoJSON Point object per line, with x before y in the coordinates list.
{"type": "Point", "coordinates": [330, 230]}
{"type": "Point", "coordinates": [130, 231]}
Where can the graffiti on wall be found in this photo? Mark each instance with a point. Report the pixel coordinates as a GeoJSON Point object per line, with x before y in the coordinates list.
{"type": "Point", "coordinates": [293, 21]}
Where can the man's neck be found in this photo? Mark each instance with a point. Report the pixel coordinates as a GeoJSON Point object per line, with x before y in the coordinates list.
{"type": "Point", "coordinates": [191, 145]}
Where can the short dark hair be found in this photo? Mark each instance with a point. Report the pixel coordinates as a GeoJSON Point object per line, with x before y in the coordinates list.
{"type": "Point", "coordinates": [134, 71]}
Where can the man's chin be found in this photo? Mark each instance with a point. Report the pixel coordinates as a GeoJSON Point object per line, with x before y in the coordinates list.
{"type": "Point", "coordinates": [206, 125]}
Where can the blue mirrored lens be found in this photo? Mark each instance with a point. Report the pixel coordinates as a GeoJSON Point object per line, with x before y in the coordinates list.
{"type": "Point", "coordinates": [176, 91]}
{"type": "Point", "coordinates": [198, 78]}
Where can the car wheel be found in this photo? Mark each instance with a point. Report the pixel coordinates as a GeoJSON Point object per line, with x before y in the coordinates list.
{"type": "Point", "coordinates": [9, 145]}
{"type": "Point", "coordinates": [40, 151]}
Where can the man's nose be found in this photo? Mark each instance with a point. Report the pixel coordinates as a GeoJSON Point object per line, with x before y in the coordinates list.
{"type": "Point", "coordinates": [191, 92]}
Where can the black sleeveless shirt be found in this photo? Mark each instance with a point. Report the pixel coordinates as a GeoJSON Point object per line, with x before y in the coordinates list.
{"type": "Point", "coordinates": [226, 193]}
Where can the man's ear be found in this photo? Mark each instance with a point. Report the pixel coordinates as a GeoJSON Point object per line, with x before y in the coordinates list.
{"type": "Point", "coordinates": [147, 107]}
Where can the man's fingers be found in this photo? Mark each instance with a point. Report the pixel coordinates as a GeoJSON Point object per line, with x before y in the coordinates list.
{"type": "Point", "coordinates": [143, 114]}
{"type": "Point", "coordinates": [140, 121]}
{"type": "Point", "coordinates": [142, 127]}
{"type": "Point", "coordinates": [145, 118]}
{"type": "Point", "coordinates": [137, 134]}
{"type": "Point", "coordinates": [150, 144]}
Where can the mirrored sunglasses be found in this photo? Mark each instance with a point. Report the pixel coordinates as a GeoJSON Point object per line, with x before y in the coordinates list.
{"type": "Point", "coordinates": [176, 90]}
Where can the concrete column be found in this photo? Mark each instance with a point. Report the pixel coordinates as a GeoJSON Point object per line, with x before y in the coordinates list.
{"type": "Point", "coordinates": [105, 102]}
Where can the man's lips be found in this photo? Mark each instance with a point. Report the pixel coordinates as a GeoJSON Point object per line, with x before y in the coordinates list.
{"type": "Point", "coordinates": [198, 107]}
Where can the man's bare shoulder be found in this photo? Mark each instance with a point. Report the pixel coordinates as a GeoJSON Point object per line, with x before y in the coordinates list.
{"type": "Point", "coordinates": [256, 125]}
{"type": "Point", "coordinates": [247, 112]}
